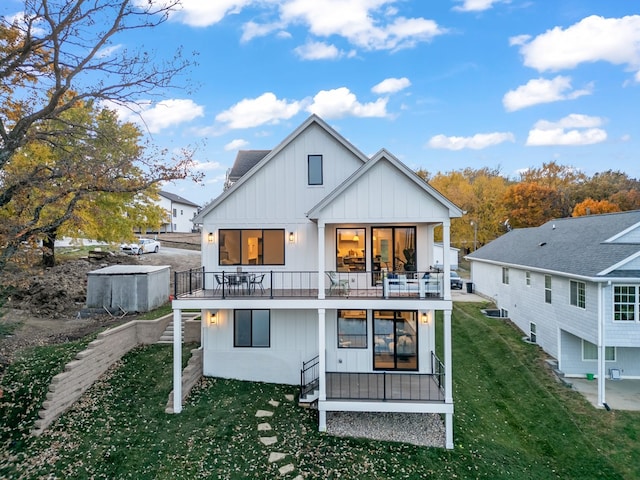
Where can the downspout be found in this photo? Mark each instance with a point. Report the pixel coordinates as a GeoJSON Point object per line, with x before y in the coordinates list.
{"type": "Point", "coordinates": [601, 346]}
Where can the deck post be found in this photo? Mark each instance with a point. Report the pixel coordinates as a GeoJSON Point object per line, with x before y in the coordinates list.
{"type": "Point", "coordinates": [448, 378]}
{"type": "Point", "coordinates": [322, 369]}
{"type": "Point", "coordinates": [177, 361]}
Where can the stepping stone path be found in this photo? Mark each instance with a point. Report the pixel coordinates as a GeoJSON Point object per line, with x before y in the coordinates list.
{"type": "Point", "coordinates": [273, 440]}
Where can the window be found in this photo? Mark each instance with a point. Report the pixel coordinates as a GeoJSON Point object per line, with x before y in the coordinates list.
{"type": "Point", "coordinates": [251, 247]}
{"type": "Point", "coordinates": [394, 249]}
{"type": "Point", "coordinates": [395, 339]}
{"type": "Point", "coordinates": [590, 352]}
{"type": "Point", "coordinates": [547, 288]}
{"type": "Point", "coordinates": [352, 329]}
{"type": "Point", "coordinates": [181, 212]}
{"type": "Point", "coordinates": [625, 303]}
{"type": "Point", "coordinates": [175, 212]}
{"type": "Point", "coordinates": [577, 294]}
{"type": "Point", "coordinates": [527, 278]}
{"type": "Point", "coordinates": [533, 338]}
{"type": "Point", "coordinates": [251, 328]}
{"type": "Point", "coordinates": [350, 250]}
{"type": "Point", "coordinates": [314, 169]}
{"type": "Point", "coordinates": [505, 275]}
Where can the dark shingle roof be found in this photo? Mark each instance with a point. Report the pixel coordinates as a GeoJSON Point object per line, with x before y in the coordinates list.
{"type": "Point", "coordinates": [245, 160]}
{"type": "Point", "coordinates": [576, 246]}
{"type": "Point", "coordinates": [178, 199]}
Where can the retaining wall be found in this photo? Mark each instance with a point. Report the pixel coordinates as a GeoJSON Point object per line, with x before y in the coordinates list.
{"type": "Point", "coordinates": [79, 374]}
{"type": "Point", "coordinates": [190, 376]}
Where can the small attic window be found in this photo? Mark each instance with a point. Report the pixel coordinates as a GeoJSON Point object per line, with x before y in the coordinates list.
{"type": "Point", "coordinates": [314, 169]}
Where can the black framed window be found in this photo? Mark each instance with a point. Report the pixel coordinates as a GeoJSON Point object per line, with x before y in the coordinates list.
{"type": "Point", "coordinates": [251, 247]}
{"type": "Point", "coordinates": [314, 169]}
{"type": "Point", "coordinates": [352, 329]}
{"type": "Point", "coordinates": [350, 250]}
{"type": "Point", "coordinates": [393, 249]}
{"type": "Point", "coordinates": [395, 340]}
{"type": "Point", "coordinates": [252, 328]}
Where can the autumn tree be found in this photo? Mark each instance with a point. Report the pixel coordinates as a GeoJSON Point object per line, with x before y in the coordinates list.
{"type": "Point", "coordinates": [594, 207]}
{"type": "Point", "coordinates": [614, 186]}
{"type": "Point", "coordinates": [529, 204]}
{"type": "Point", "coordinates": [58, 56]}
{"type": "Point", "coordinates": [564, 179]}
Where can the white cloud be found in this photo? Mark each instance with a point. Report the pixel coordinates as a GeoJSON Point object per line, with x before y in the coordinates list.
{"type": "Point", "coordinates": [475, 5]}
{"type": "Point", "coordinates": [391, 85]}
{"type": "Point", "coordinates": [317, 51]}
{"type": "Point", "coordinates": [164, 114]}
{"type": "Point", "coordinates": [252, 112]}
{"type": "Point", "coordinates": [364, 23]}
{"type": "Point", "coordinates": [477, 142]}
{"type": "Point", "coordinates": [592, 39]}
{"type": "Point", "coordinates": [541, 90]}
{"type": "Point", "coordinates": [574, 129]}
{"type": "Point", "coordinates": [251, 30]}
{"type": "Point", "coordinates": [207, 166]}
{"type": "Point", "coordinates": [198, 13]}
{"type": "Point", "coordinates": [236, 144]}
{"type": "Point", "coordinates": [108, 51]}
{"type": "Point", "coordinates": [340, 102]}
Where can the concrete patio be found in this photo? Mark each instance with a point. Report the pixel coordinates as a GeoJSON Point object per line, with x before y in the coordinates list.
{"type": "Point", "coordinates": [619, 394]}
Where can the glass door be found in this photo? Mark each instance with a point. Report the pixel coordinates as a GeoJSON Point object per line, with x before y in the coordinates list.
{"type": "Point", "coordinates": [395, 340]}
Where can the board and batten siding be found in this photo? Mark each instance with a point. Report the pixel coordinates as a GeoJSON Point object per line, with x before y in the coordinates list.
{"type": "Point", "coordinates": [294, 338]}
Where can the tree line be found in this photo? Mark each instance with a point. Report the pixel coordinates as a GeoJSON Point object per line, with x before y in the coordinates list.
{"type": "Point", "coordinates": [494, 203]}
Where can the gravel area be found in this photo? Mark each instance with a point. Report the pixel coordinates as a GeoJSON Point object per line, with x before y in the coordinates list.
{"type": "Point", "coordinates": [424, 429]}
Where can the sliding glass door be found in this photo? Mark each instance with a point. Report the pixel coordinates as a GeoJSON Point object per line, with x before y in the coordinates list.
{"type": "Point", "coordinates": [395, 340]}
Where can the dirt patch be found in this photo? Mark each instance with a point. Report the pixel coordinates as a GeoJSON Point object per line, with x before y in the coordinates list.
{"type": "Point", "coordinates": [43, 305]}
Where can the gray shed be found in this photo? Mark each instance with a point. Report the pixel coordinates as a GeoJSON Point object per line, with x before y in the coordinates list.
{"type": "Point", "coordinates": [128, 288]}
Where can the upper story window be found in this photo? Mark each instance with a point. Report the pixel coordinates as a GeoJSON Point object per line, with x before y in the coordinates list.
{"type": "Point", "coordinates": [527, 278]}
{"type": "Point", "coordinates": [393, 249]}
{"type": "Point", "coordinates": [625, 303]}
{"type": "Point", "coordinates": [251, 247]}
{"type": "Point", "coordinates": [350, 250]}
{"type": "Point", "coordinates": [175, 212]}
{"type": "Point", "coordinates": [314, 169]}
{"type": "Point", "coordinates": [505, 275]}
{"type": "Point", "coordinates": [577, 293]}
{"type": "Point", "coordinates": [547, 288]}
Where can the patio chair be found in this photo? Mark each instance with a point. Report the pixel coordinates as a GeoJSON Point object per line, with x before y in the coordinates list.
{"type": "Point", "coordinates": [220, 282]}
{"type": "Point", "coordinates": [256, 280]}
{"type": "Point", "coordinates": [337, 283]}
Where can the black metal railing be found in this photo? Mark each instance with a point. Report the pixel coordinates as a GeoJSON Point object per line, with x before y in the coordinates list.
{"type": "Point", "coordinates": [437, 367]}
{"type": "Point", "coordinates": [384, 386]}
{"type": "Point", "coordinates": [272, 284]}
{"type": "Point", "coordinates": [310, 376]}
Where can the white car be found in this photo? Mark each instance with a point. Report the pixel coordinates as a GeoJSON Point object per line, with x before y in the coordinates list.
{"type": "Point", "coordinates": [144, 245]}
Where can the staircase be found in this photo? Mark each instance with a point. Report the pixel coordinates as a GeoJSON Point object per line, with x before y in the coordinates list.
{"type": "Point", "coordinates": [309, 383]}
{"type": "Point", "coordinates": [167, 335]}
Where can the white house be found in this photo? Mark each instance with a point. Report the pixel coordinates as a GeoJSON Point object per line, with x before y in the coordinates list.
{"type": "Point", "coordinates": [316, 273]}
{"type": "Point", "coordinates": [180, 212]}
{"type": "Point", "coordinates": [573, 286]}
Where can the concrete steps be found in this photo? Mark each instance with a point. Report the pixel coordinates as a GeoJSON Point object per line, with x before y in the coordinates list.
{"type": "Point", "coordinates": [167, 335]}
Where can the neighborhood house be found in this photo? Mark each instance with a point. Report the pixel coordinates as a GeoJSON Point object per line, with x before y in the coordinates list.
{"type": "Point", "coordinates": [572, 286]}
{"type": "Point", "coordinates": [318, 271]}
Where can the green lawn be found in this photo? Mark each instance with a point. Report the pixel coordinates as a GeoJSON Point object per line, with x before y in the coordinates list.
{"type": "Point", "coordinates": [512, 420]}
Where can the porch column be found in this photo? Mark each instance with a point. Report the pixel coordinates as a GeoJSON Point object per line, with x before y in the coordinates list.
{"type": "Point", "coordinates": [446, 250]}
{"type": "Point", "coordinates": [177, 361]}
{"type": "Point", "coordinates": [321, 260]}
{"type": "Point", "coordinates": [601, 348]}
{"type": "Point", "coordinates": [448, 378]}
{"type": "Point", "coordinates": [322, 367]}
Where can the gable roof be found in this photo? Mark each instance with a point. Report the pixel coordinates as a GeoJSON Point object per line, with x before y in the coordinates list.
{"type": "Point", "coordinates": [311, 120]}
{"type": "Point", "coordinates": [177, 198]}
{"type": "Point", "coordinates": [580, 246]}
{"type": "Point", "coordinates": [383, 155]}
{"type": "Point", "coordinates": [245, 161]}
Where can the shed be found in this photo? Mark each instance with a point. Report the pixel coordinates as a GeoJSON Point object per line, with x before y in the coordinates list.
{"type": "Point", "coordinates": [128, 288]}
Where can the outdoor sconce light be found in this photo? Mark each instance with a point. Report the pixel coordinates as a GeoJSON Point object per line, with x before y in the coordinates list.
{"type": "Point", "coordinates": [425, 318]}
{"type": "Point", "coordinates": [291, 237]}
{"type": "Point", "coordinates": [210, 237]}
{"type": "Point", "coordinates": [213, 318]}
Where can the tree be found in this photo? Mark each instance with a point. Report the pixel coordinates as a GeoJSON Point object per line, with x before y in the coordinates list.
{"type": "Point", "coordinates": [56, 58]}
{"type": "Point", "coordinates": [529, 204]}
{"type": "Point", "coordinates": [594, 207]}
{"type": "Point", "coordinates": [565, 180]}
{"type": "Point", "coordinates": [614, 186]}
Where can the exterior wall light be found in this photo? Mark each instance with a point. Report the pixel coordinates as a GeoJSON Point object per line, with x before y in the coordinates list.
{"type": "Point", "coordinates": [291, 237]}
{"type": "Point", "coordinates": [213, 318]}
{"type": "Point", "coordinates": [210, 237]}
{"type": "Point", "coordinates": [425, 318]}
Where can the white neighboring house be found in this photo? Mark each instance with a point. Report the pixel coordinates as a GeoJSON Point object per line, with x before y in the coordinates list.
{"type": "Point", "coordinates": [180, 213]}
{"type": "Point", "coordinates": [572, 286]}
{"type": "Point", "coordinates": [313, 260]}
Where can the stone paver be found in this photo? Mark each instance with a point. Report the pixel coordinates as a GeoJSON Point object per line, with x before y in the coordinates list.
{"type": "Point", "coordinates": [286, 469]}
{"type": "Point", "coordinates": [263, 427]}
{"type": "Point", "coordinates": [289, 397]}
{"type": "Point", "coordinates": [276, 456]}
{"type": "Point", "coordinates": [274, 403]}
{"type": "Point", "coordinates": [264, 413]}
{"type": "Point", "coordinates": [268, 440]}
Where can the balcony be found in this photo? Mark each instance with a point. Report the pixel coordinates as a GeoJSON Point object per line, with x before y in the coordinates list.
{"type": "Point", "coordinates": [199, 284]}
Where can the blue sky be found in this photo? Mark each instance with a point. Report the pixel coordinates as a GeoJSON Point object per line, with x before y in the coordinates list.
{"type": "Point", "coordinates": [442, 84]}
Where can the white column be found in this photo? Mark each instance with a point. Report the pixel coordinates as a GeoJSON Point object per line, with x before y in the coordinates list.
{"type": "Point", "coordinates": [177, 361]}
{"type": "Point", "coordinates": [448, 378]}
{"type": "Point", "coordinates": [321, 260]}
{"type": "Point", "coordinates": [446, 250]}
{"type": "Point", "coordinates": [322, 367]}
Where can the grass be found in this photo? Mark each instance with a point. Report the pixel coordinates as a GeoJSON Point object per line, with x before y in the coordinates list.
{"type": "Point", "coordinates": [512, 420]}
